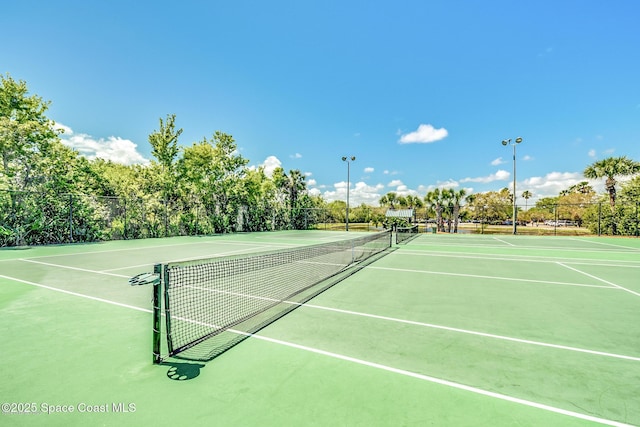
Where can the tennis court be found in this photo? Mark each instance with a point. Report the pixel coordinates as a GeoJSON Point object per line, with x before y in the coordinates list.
{"type": "Point", "coordinates": [461, 330]}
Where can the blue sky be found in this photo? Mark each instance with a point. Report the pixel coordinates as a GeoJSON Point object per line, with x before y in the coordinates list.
{"type": "Point", "coordinates": [421, 92]}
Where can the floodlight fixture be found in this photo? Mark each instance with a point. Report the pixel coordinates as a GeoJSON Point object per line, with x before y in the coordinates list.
{"type": "Point", "coordinates": [348, 159]}
{"type": "Point", "coordinates": [506, 142]}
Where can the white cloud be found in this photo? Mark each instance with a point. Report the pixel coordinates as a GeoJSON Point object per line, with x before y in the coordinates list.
{"type": "Point", "coordinates": [312, 182]}
{"type": "Point", "coordinates": [527, 158]}
{"type": "Point", "coordinates": [368, 170]}
{"type": "Point", "coordinates": [498, 161]}
{"type": "Point", "coordinates": [424, 189]}
{"type": "Point", "coordinates": [359, 193]}
{"type": "Point", "coordinates": [341, 185]}
{"type": "Point", "coordinates": [501, 175]}
{"type": "Point", "coordinates": [394, 183]}
{"type": "Point", "coordinates": [448, 184]}
{"type": "Point", "coordinates": [424, 135]}
{"type": "Point", "coordinates": [113, 148]}
{"type": "Point", "coordinates": [551, 184]}
{"type": "Point", "coordinates": [269, 164]}
{"type": "Point", "coordinates": [296, 156]}
{"type": "Point", "coordinates": [592, 153]}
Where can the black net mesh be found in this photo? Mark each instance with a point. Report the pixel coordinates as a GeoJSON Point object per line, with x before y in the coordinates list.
{"type": "Point", "coordinates": [404, 234]}
{"type": "Point", "coordinates": [213, 304]}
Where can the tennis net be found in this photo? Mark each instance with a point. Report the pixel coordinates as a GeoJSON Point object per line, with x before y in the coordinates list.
{"type": "Point", "coordinates": [404, 234]}
{"type": "Point", "coordinates": [212, 304]}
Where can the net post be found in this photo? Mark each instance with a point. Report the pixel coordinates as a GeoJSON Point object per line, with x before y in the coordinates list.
{"type": "Point", "coordinates": [157, 312]}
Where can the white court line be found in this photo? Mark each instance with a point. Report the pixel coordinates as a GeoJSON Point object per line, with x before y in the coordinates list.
{"type": "Point", "coordinates": [503, 241]}
{"type": "Point", "coordinates": [71, 268]}
{"type": "Point", "coordinates": [550, 248]}
{"type": "Point", "coordinates": [604, 244]}
{"type": "Point", "coordinates": [446, 383]}
{"type": "Point", "coordinates": [75, 294]}
{"type": "Point", "coordinates": [518, 258]}
{"type": "Point", "coordinates": [106, 272]}
{"type": "Point", "coordinates": [403, 372]}
{"type": "Point", "coordinates": [477, 276]}
{"type": "Point", "coordinates": [601, 280]}
{"type": "Point", "coordinates": [159, 247]}
{"type": "Point", "coordinates": [422, 324]}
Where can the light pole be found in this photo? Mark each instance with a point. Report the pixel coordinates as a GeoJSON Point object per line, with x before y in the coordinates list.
{"type": "Point", "coordinates": [348, 160]}
{"type": "Point", "coordinates": [515, 210]}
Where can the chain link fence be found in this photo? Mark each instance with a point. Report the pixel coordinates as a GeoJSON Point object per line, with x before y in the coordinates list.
{"type": "Point", "coordinates": [28, 218]}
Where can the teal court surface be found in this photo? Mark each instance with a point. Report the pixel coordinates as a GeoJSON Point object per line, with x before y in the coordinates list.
{"type": "Point", "coordinates": [445, 330]}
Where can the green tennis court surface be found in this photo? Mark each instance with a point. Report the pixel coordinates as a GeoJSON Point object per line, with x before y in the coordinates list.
{"type": "Point", "coordinates": [460, 330]}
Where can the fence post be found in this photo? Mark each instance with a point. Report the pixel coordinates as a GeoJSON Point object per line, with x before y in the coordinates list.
{"type": "Point", "coordinates": [70, 218]}
{"type": "Point", "coordinates": [124, 202]}
{"type": "Point", "coordinates": [166, 216]}
{"type": "Point", "coordinates": [637, 220]}
{"type": "Point", "coordinates": [197, 213]}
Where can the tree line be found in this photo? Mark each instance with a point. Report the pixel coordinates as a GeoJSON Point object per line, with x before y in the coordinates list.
{"type": "Point", "coordinates": [49, 193]}
{"type": "Point", "coordinates": [615, 212]}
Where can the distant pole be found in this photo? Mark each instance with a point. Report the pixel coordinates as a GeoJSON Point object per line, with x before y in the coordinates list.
{"type": "Point", "coordinates": [506, 142]}
{"type": "Point", "coordinates": [348, 160]}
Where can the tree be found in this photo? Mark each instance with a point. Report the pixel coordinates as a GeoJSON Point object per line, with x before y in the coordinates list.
{"type": "Point", "coordinates": [390, 199]}
{"type": "Point", "coordinates": [457, 197]}
{"type": "Point", "coordinates": [258, 195]}
{"type": "Point", "coordinates": [435, 200]}
{"type": "Point", "coordinates": [526, 195]}
{"type": "Point", "coordinates": [491, 206]}
{"type": "Point", "coordinates": [291, 187]}
{"type": "Point", "coordinates": [25, 135]}
{"type": "Point", "coordinates": [610, 168]}
{"type": "Point", "coordinates": [228, 171]}
{"type": "Point", "coordinates": [413, 202]}
{"type": "Point", "coordinates": [582, 188]}
{"type": "Point", "coordinates": [35, 168]}
{"type": "Point", "coordinates": [628, 213]}
{"type": "Point", "coordinates": [337, 210]}
{"type": "Point", "coordinates": [164, 143]}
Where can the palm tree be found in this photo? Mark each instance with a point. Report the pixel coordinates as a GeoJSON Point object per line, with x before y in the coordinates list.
{"type": "Point", "coordinates": [448, 198]}
{"type": "Point", "coordinates": [610, 168]}
{"type": "Point", "coordinates": [433, 199]}
{"type": "Point", "coordinates": [290, 188]}
{"type": "Point", "coordinates": [295, 184]}
{"type": "Point", "coordinates": [582, 188]}
{"type": "Point", "coordinates": [458, 196]}
{"type": "Point", "coordinates": [389, 199]}
{"type": "Point", "coordinates": [526, 195]}
{"type": "Point", "coordinates": [413, 202]}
